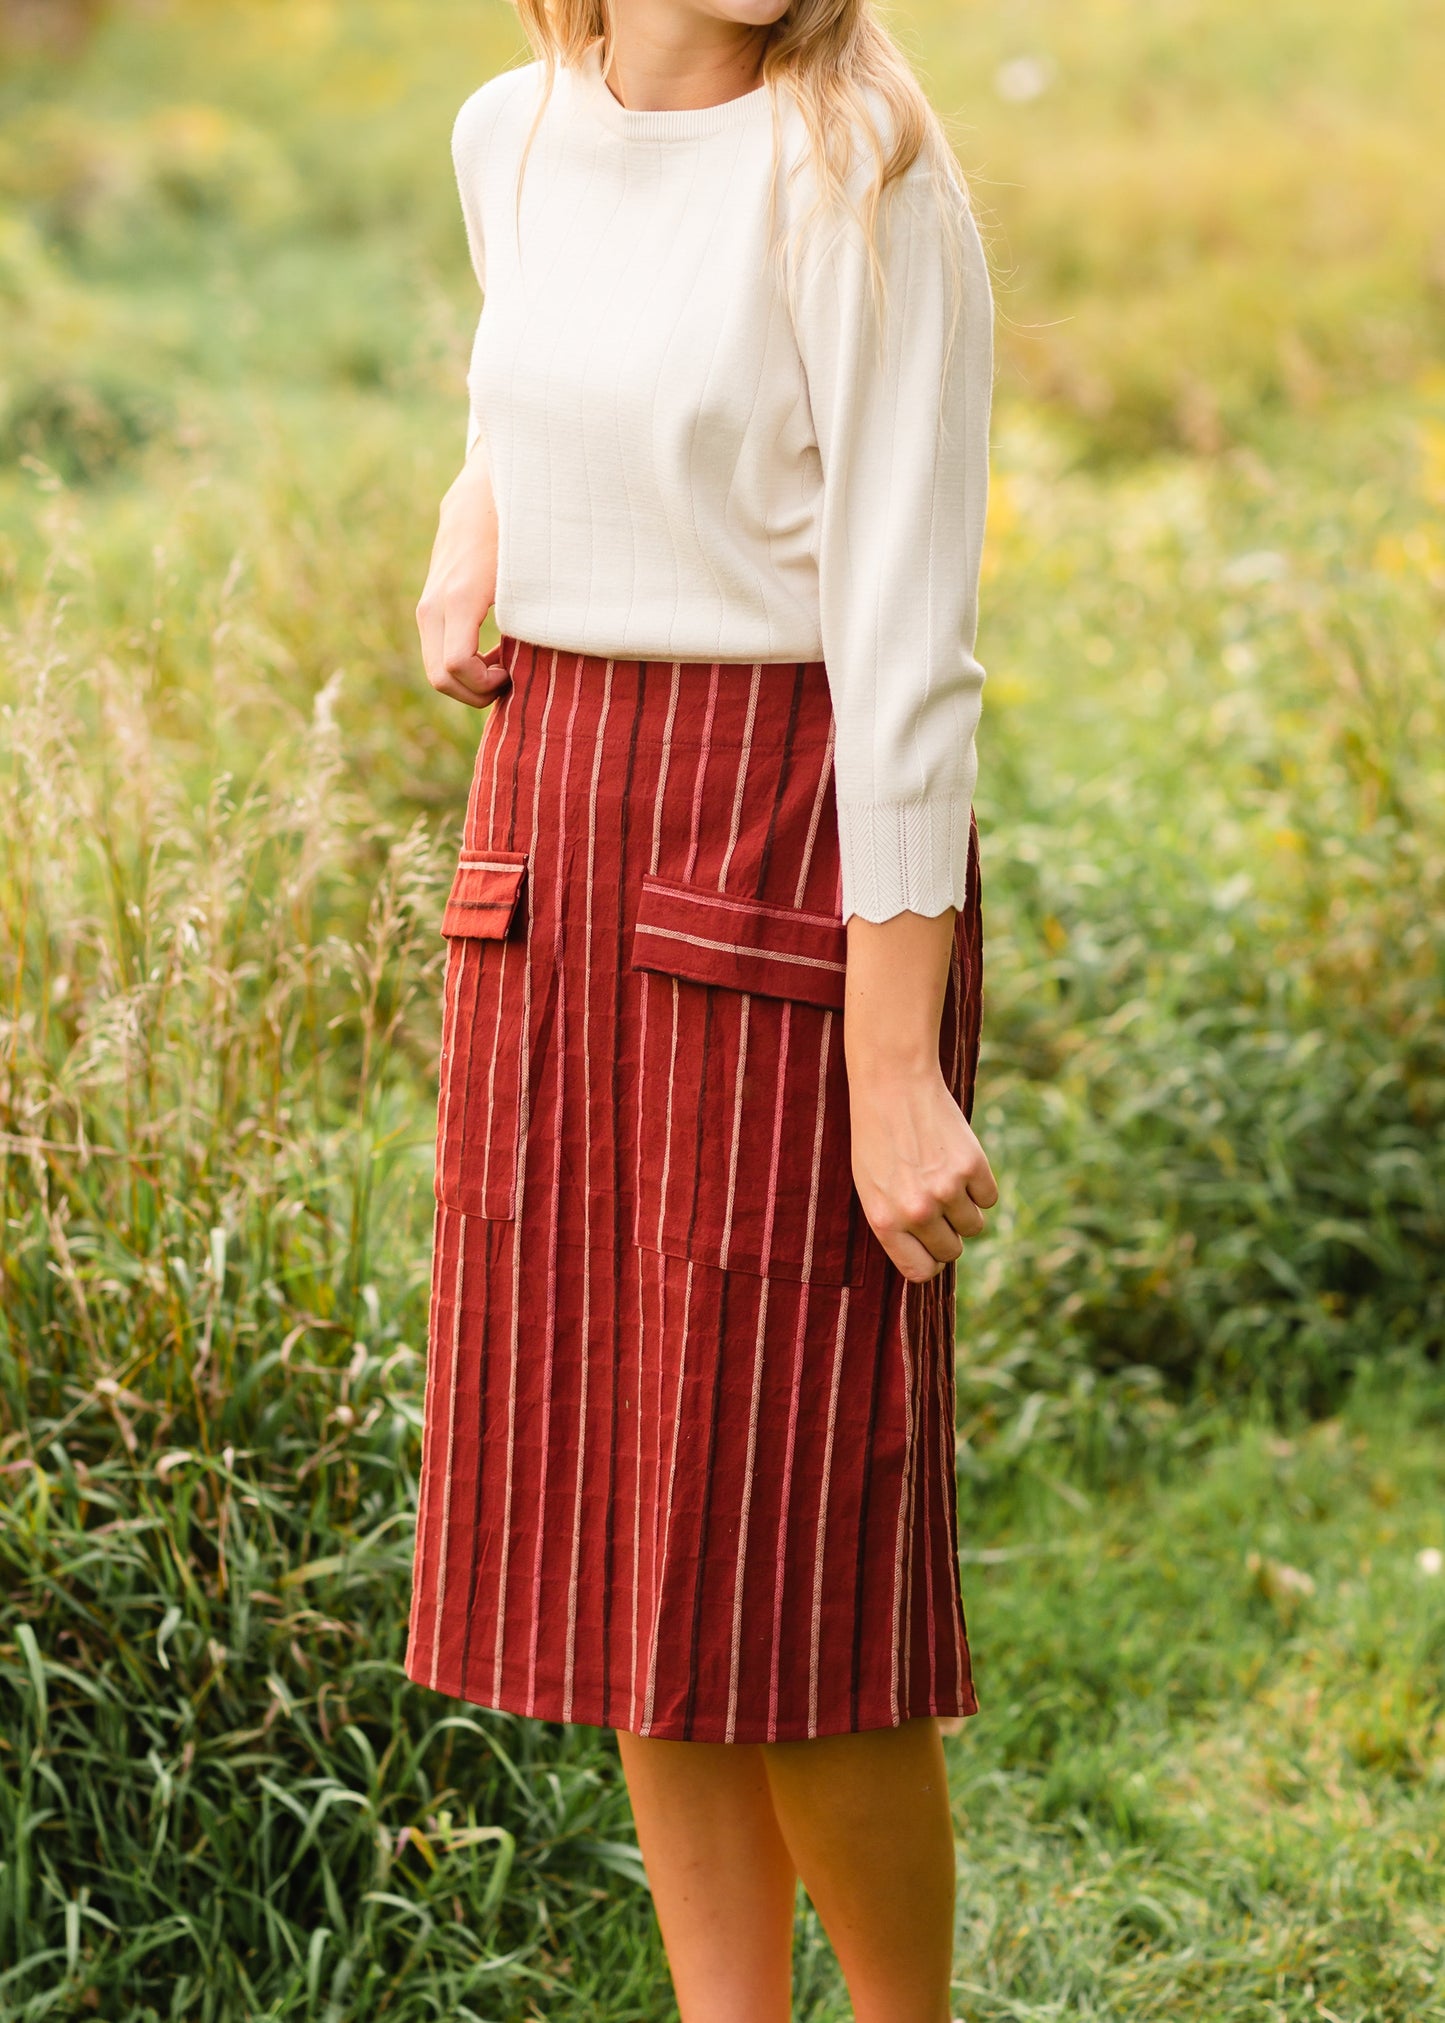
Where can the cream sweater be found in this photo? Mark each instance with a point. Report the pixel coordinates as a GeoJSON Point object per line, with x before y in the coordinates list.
{"type": "Point", "coordinates": [686, 470]}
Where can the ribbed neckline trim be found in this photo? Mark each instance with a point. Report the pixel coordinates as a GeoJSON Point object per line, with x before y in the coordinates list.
{"type": "Point", "coordinates": [693, 123]}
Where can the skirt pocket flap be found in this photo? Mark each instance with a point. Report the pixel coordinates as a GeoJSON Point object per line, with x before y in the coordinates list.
{"type": "Point", "coordinates": [484, 894]}
{"type": "Point", "coordinates": [742, 944]}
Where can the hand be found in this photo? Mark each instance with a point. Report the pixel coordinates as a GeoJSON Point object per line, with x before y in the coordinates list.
{"type": "Point", "coordinates": [461, 586]}
{"type": "Point", "coordinates": [921, 1174]}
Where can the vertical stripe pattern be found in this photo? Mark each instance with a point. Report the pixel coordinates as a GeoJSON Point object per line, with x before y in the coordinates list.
{"type": "Point", "coordinates": [687, 1460]}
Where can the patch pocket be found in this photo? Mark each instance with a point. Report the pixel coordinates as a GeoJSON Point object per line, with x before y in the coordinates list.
{"type": "Point", "coordinates": [484, 1013]}
{"type": "Point", "coordinates": [744, 1158]}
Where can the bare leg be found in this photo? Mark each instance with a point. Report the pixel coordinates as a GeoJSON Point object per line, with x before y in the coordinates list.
{"type": "Point", "coordinates": [867, 1822]}
{"type": "Point", "coordinates": [722, 1880]}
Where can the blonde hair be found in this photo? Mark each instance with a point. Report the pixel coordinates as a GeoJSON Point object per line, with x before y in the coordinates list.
{"type": "Point", "coordinates": [840, 66]}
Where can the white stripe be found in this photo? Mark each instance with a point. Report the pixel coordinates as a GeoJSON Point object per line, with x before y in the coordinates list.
{"type": "Point", "coordinates": [702, 758]}
{"type": "Point", "coordinates": [659, 1572]}
{"type": "Point", "coordinates": [499, 738]}
{"type": "Point", "coordinates": [436, 1640]}
{"type": "Point", "coordinates": [805, 1294]}
{"type": "Point", "coordinates": [664, 762]}
{"type": "Point", "coordinates": [726, 903]}
{"type": "Point", "coordinates": [492, 1079]}
{"type": "Point", "coordinates": [805, 1291]}
{"type": "Point", "coordinates": [740, 1569]}
{"type": "Point", "coordinates": [738, 1080]}
{"type": "Point", "coordinates": [742, 1558]}
{"type": "Point", "coordinates": [823, 1510]}
{"type": "Point", "coordinates": [904, 1512]}
{"type": "Point", "coordinates": [568, 1669]}
{"type": "Point", "coordinates": [428, 1474]}
{"type": "Point", "coordinates": [558, 967]}
{"type": "Point", "coordinates": [451, 1011]}
{"type": "Point", "coordinates": [820, 1118]}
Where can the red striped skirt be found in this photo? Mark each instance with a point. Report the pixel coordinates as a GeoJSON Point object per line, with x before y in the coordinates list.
{"type": "Point", "coordinates": [688, 1451]}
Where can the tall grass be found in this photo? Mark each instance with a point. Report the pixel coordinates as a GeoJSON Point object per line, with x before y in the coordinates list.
{"type": "Point", "coordinates": [236, 309]}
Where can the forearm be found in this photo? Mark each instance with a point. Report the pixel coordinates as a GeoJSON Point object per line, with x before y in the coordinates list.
{"type": "Point", "coordinates": [473, 482]}
{"type": "Point", "coordinates": [461, 586]}
{"type": "Point", "coordinates": [920, 1173]}
{"type": "Point", "coordinates": [896, 977]}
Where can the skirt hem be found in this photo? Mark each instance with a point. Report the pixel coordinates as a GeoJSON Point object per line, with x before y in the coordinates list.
{"type": "Point", "coordinates": [586, 1712]}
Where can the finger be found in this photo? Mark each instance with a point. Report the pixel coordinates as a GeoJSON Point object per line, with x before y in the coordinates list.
{"type": "Point", "coordinates": [463, 663]}
{"type": "Point", "coordinates": [914, 1262]}
{"type": "Point", "coordinates": [458, 692]}
{"type": "Point", "coordinates": [982, 1186]}
{"type": "Point", "coordinates": [940, 1236]}
{"type": "Point", "coordinates": [963, 1213]}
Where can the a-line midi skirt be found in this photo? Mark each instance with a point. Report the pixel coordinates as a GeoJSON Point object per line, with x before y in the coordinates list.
{"type": "Point", "coordinates": [688, 1450]}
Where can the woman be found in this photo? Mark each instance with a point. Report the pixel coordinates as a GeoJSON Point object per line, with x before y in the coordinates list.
{"type": "Point", "coordinates": [714, 942]}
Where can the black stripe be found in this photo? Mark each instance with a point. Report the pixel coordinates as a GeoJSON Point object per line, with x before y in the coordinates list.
{"type": "Point", "coordinates": [886, 1315]}
{"type": "Point", "coordinates": [909, 1500]}
{"type": "Point", "coordinates": [491, 1230]}
{"type": "Point", "coordinates": [717, 1377]}
{"type": "Point", "coordinates": [617, 1199]}
{"type": "Point", "coordinates": [707, 1004]}
{"type": "Point", "coordinates": [457, 1126]}
{"type": "Point", "coordinates": [947, 1323]}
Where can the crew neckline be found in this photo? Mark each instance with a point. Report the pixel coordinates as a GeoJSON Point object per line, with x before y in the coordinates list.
{"type": "Point", "coordinates": [686, 123]}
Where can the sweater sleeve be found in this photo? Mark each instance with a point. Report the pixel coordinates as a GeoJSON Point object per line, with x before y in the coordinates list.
{"type": "Point", "coordinates": [903, 447]}
{"type": "Point", "coordinates": [469, 147]}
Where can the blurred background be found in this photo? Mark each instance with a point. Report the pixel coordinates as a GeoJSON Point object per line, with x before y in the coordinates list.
{"type": "Point", "coordinates": [1201, 1401]}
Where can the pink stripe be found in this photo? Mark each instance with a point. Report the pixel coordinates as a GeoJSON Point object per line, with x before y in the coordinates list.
{"type": "Point", "coordinates": [702, 757]}
{"type": "Point", "coordinates": [525, 1108]}
{"type": "Point", "coordinates": [824, 775]}
{"type": "Point", "coordinates": [948, 1439]}
{"type": "Point", "coordinates": [738, 791]}
{"type": "Point", "coordinates": [659, 1577]}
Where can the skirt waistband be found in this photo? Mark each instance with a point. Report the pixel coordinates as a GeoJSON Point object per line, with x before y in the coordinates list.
{"type": "Point", "coordinates": [688, 705]}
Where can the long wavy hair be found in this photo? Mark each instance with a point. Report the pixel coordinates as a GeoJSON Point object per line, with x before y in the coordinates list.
{"type": "Point", "coordinates": [841, 68]}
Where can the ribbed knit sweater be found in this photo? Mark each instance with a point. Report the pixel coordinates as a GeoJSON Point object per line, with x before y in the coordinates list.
{"type": "Point", "coordinates": [688, 467]}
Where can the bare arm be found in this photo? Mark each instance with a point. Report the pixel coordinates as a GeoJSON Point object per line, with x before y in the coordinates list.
{"type": "Point", "coordinates": [461, 587]}
{"type": "Point", "coordinates": [921, 1174]}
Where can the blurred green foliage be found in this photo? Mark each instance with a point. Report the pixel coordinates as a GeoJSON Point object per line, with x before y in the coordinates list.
{"type": "Point", "coordinates": [234, 313]}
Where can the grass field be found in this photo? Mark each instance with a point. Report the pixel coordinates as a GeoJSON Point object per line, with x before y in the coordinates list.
{"type": "Point", "coordinates": [1201, 1405]}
